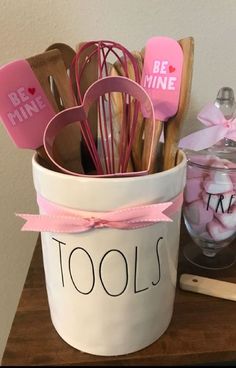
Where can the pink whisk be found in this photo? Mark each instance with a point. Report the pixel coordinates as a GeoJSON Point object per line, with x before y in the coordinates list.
{"type": "Point", "coordinates": [105, 162]}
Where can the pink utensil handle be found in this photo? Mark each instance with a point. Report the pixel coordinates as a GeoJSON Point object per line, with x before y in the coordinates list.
{"type": "Point", "coordinates": [24, 107]}
{"type": "Point", "coordinates": [80, 113]}
{"type": "Point", "coordinates": [161, 76]}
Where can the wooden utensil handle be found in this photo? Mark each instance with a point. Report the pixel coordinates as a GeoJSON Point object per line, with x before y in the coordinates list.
{"type": "Point", "coordinates": [172, 128]}
{"type": "Point", "coordinates": [49, 66]}
{"type": "Point", "coordinates": [151, 152]}
{"type": "Point", "coordinates": [208, 286]}
{"type": "Point", "coordinates": [137, 148]}
{"type": "Point", "coordinates": [117, 102]}
{"type": "Point", "coordinates": [47, 162]}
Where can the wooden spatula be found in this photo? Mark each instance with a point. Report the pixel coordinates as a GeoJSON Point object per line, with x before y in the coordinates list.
{"type": "Point", "coordinates": [50, 66]}
{"type": "Point", "coordinates": [173, 127]}
{"type": "Point", "coordinates": [68, 54]}
{"type": "Point", "coordinates": [44, 66]}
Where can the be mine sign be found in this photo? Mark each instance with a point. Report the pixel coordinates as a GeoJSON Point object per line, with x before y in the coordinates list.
{"type": "Point", "coordinates": [26, 103]}
{"type": "Point", "coordinates": [161, 77]}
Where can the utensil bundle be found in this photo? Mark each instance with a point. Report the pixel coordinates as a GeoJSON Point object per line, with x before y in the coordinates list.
{"type": "Point", "coordinates": [100, 110]}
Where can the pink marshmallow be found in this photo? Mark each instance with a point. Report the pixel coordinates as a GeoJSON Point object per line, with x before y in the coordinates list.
{"type": "Point", "coordinates": [233, 178]}
{"type": "Point", "coordinates": [197, 214]}
{"type": "Point", "coordinates": [205, 160]}
{"type": "Point", "coordinates": [206, 236]}
{"type": "Point", "coordinates": [220, 162]}
{"type": "Point", "coordinates": [228, 164]}
{"type": "Point", "coordinates": [194, 172]}
{"type": "Point", "coordinates": [219, 232]}
{"type": "Point", "coordinates": [193, 190]}
{"type": "Point", "coordinates": [219, 203]}
{"type": "Point", "coordinates": [198, 229]}
{"type": "Point", "coordinates": [223, 163]}
{"type": "Point", "coordinates": [218, 182]}
{"type": "Point", "coordinates": [228, 220]}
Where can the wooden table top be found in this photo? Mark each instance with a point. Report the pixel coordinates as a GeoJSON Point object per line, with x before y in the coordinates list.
{"type": "Point", "coordinates": [202, 330]}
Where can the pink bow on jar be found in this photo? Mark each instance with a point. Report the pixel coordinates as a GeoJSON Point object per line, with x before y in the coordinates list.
{"type": "Point", "coordinates": [217, 128]}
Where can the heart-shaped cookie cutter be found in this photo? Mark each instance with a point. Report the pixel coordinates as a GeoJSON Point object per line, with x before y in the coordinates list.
{"type": "Point", "coordinates": [79, 114]}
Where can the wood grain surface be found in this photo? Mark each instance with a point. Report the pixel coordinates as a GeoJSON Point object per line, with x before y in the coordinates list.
{"type": "Point", "coordinates": [202, 329]}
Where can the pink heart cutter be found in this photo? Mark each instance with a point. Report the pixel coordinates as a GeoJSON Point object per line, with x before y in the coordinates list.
{"type": "Point", "coordinates": [161, 76]}
{"type": "Point", "coordinates": [80, 113]}
{"type": "Point", "coordinates": [24, 108]}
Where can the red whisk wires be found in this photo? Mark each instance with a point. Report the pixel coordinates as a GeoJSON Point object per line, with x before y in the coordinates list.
{"type": "Point", "coordinates": [102, 149]}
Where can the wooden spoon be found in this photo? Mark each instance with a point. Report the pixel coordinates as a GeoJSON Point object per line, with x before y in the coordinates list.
{"type": "Point", "coordinates": [50, 65]}
{"type": "Point", "coordinates": [157, 133]}
{"type": "Point", "coordinates": [49, 69]}
{"type": "Point", "coordinates": [68, 54]}
{"type": "Point", "coordinates": [173, 126]}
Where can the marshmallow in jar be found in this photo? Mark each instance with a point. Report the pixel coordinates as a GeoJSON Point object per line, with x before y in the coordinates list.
{"type": "Point", "coordinates": [210, 197]}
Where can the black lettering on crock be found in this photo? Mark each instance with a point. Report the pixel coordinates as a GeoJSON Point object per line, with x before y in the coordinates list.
{"type": "Point", "coordinates": [60, 259]}
{"type": "Point", "coordinates": [135, 273]}
{"type": "Point", "coordinates": [126, 272]}
{"type": "Point", "coordinates": [92, 267]}
{"type": "Point", "coordinates": [158, 262]}
{"type": "Point", "coordinates": [133, 270]}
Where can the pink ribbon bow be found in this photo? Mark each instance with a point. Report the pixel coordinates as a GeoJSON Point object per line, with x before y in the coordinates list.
{"type": "Point", "coordinates": [217, 128]}
{"type": "Point", "coordinates": [59, 219]}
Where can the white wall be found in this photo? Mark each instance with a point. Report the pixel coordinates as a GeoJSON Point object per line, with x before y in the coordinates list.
{"type": "Point", "coordinates": [28, 27]}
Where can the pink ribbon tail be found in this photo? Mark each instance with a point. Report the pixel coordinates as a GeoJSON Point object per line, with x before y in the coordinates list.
{"type": "Point", "coordinates": [60, 219]}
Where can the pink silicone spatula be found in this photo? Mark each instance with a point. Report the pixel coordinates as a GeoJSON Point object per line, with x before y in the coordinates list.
{"type": "Point", "coordinates": [161, 78]}
{"type": "Point", "coordinates": [26, 100]}
{"type": "Point", "coordinates": [25, 109]}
